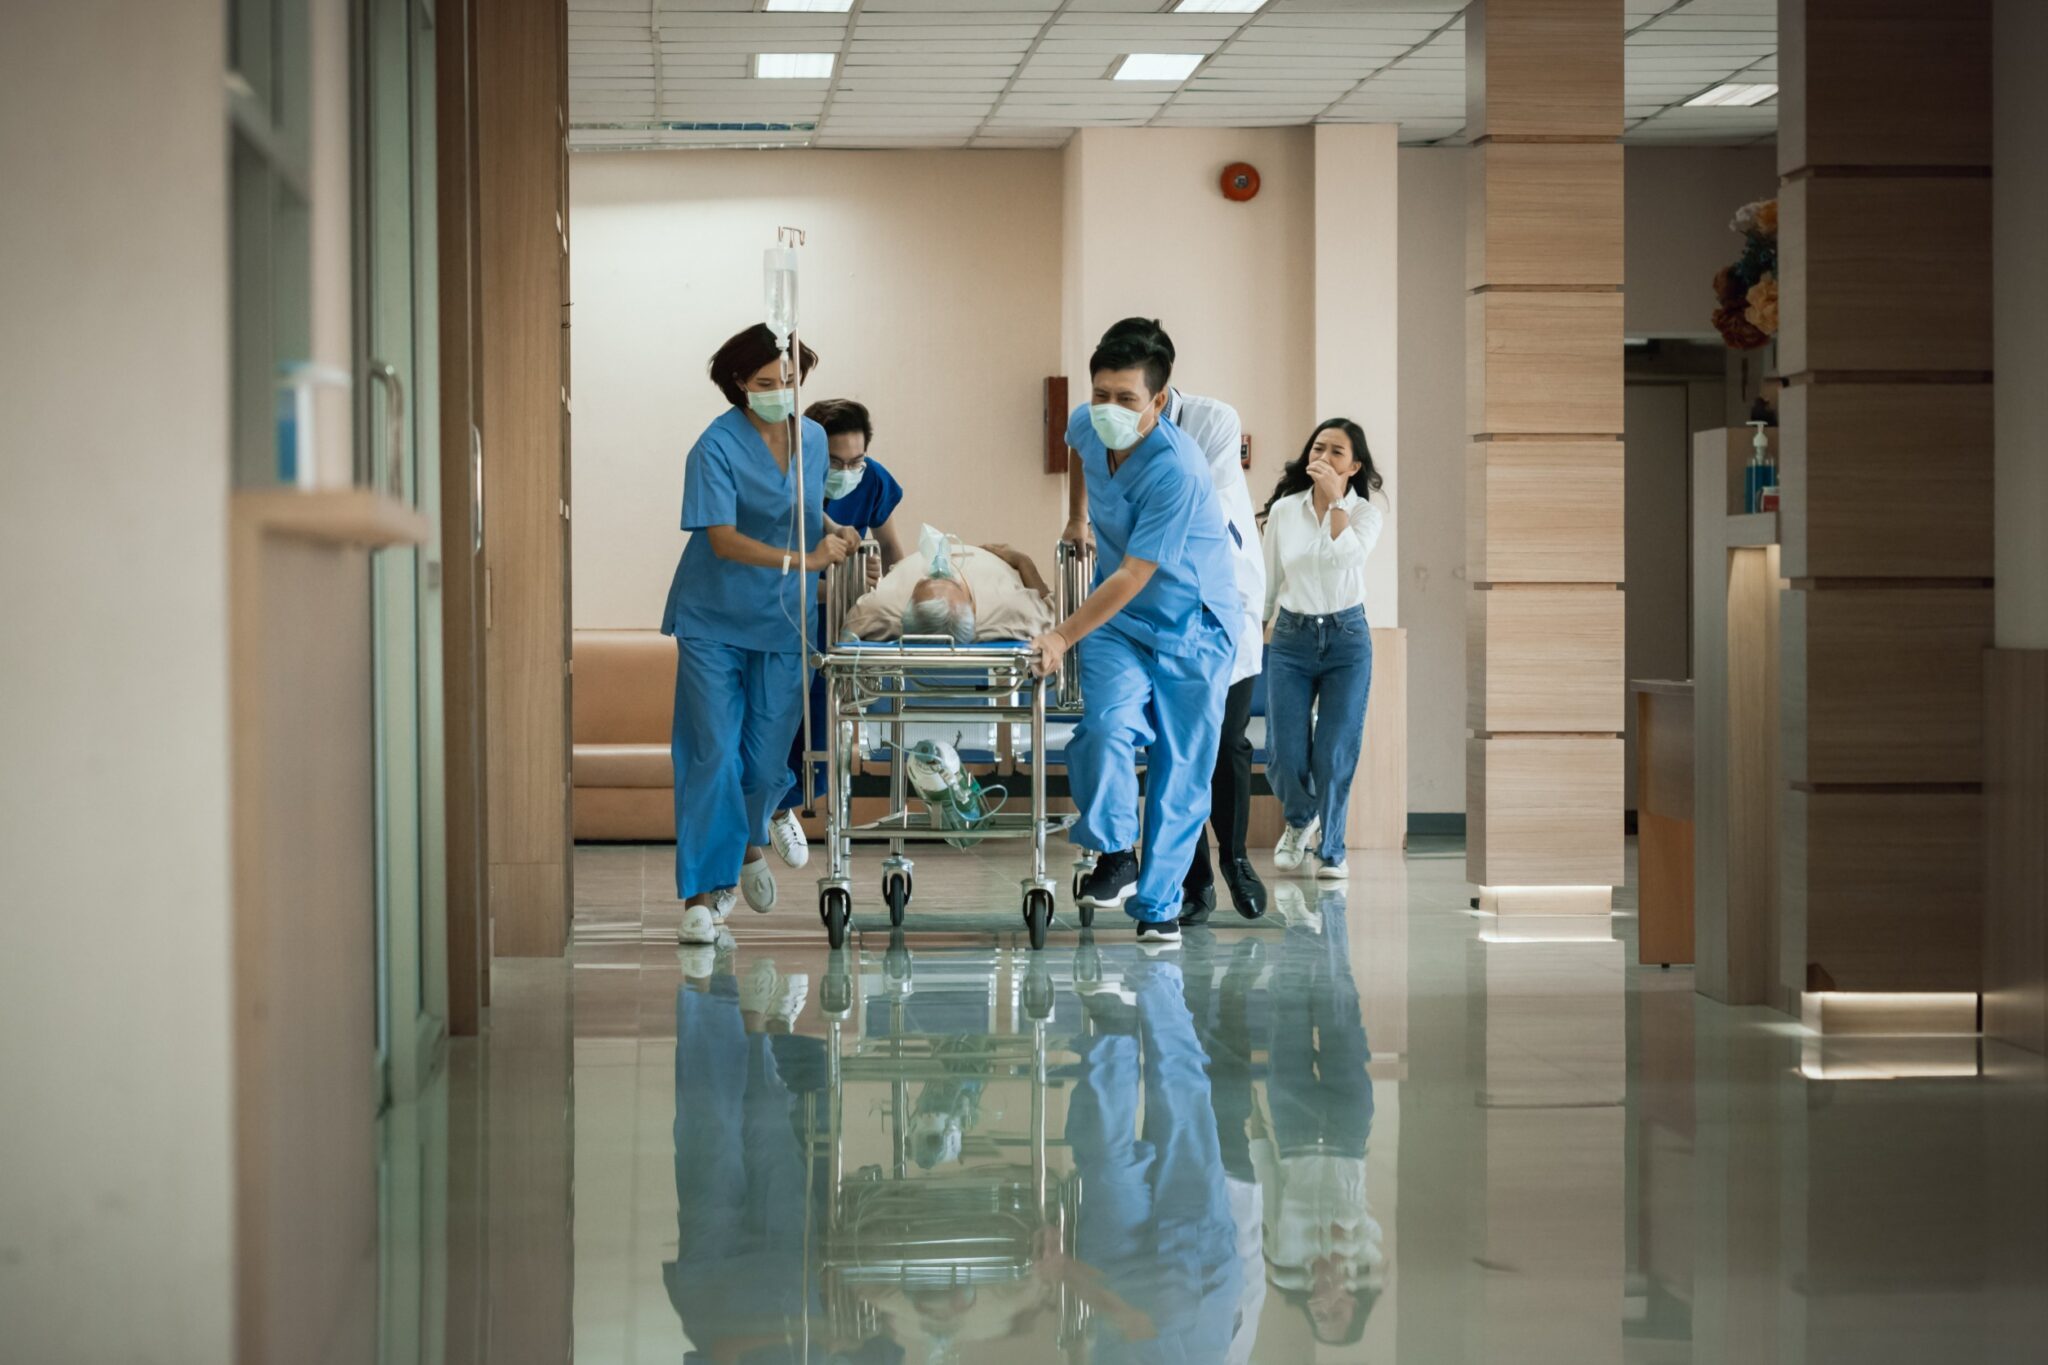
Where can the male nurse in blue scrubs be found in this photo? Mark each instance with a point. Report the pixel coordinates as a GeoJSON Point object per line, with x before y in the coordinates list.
{"type": "Point", "coordinates": [1155, 665]}
{"type": "Point", "coordinates": [862, 496]}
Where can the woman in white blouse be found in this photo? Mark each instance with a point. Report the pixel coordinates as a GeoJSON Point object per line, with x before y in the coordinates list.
{"type": "Point", "coordinates": [1321, 524]}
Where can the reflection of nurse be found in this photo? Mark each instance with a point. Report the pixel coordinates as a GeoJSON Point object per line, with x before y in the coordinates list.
{"type": "Point", "coordinates": [732, 608]}
{"type": "Point", "coordinates": [1156, 1224]}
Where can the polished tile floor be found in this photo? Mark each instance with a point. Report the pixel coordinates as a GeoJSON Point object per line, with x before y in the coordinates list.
{"type": "Point", "coordinates": [1371, 1128]}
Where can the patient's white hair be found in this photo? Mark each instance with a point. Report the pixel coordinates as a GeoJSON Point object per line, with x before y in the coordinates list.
{"type": "Point", "coordinates": [939, 615]}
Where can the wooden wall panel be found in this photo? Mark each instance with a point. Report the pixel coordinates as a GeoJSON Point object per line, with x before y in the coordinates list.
{"type": "Point", "coordinates": [1544, 512]}
{"type": "Point", "coordinates": [1885, 891]}
{"type": "Point", "coordinates": [1544, 68]}
{"type": "Point", "coordinates": [1543, 363]}
{"type": "Point", "coordinates": [1863, 459]}
{"type": "Point", "coordinates": [520, 163]}
{"type": "Point", "coordinates": [1884, 83]}
{"type": "Point", "coordinates": [1889, 683]}
{"type": "Point", "coordinates": [1544, 810]}
{"type": "Point", "coordinates": [2016, 847]}
{"type": "Point", "coordinates": [1544, 214]}
{"type": "Point", "coordinates": [1545, 660]}
{"type": "Point", "coordinates": [1892, 274]}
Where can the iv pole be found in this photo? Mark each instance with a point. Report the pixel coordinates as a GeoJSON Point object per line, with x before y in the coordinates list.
{"type": "Point", "coordinates": [782, 320]}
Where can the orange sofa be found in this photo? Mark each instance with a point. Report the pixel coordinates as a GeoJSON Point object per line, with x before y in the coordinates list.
{"type": "Point", "coordinates": [624, 695]}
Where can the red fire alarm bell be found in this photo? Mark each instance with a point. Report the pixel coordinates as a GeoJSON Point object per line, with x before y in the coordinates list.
{"type": "Point", "coordinates": [1240, 181]}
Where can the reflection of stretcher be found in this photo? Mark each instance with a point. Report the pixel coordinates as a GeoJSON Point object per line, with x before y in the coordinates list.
{"type": "Point", "coordinates": [920, 680]}
{"type": "Point", "coordinates": [896, 1232]}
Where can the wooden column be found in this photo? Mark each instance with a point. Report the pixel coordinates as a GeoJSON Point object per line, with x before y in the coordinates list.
{"type": "Point", "coordinates": [522, 89]}
{"type": "Point", "coordinates": [1544, 492]}
{"type": "Point", "coordinates": [1885, 271]}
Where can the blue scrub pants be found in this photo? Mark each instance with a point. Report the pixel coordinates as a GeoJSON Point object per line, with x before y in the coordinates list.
{"type": "Point", "coordinates": [1172, 706]}
{"type": "Point", "coordinates": [794, 797]}
{"type": "Point", "coordinates": [1324, 663]}
{"type": "Point", "coordinates": [1158, 1224]}
{"type": "Point", "coordinates": [735, 712]}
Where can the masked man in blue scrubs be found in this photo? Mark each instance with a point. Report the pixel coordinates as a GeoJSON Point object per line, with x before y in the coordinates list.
{"type": "Point", "coordinates": [862, 496]}
{"type": "Point", "coordinates": [732, 608]}
{"type": "Point", "coordinates": [1155, 648]}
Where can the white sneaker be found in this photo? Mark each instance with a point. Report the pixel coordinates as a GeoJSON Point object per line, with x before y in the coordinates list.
{"type": "Point", "coordinates": [796, 991]}
{"type": "Point", "coordinates": [699, 925]}
{"type": "Point", "coordinates": [1292, 848]}
{"type": "Point", "coordinates": [1327, 871]}
{"type": "Point", "coordinates": [757, 884]}
{"type": "Point", "coordinates": [787, 832]}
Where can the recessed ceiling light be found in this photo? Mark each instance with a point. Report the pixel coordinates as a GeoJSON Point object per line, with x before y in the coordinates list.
{"type": "Point", "coordinates": [1732, 94]}
{"type": "Point", "coordinates": [794, 66]}
{"type": "Point", "coordinates": [811, 6]}
{"type": "Point", "coordinates": [1158, 66]}
{"type": "Point", "coordinates": [1217, 6]}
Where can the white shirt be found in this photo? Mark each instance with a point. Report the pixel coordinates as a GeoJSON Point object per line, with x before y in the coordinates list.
{"type": "Point", "coordinates": [1309, 572]}
{"type": "Point", "coordinates": [1214, 426]}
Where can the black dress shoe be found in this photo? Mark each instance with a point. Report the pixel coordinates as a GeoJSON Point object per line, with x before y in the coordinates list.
{"type": "Point", "coordinates": [1197, 903]}
{"type": "Point", "coordinates": [1247, 892]}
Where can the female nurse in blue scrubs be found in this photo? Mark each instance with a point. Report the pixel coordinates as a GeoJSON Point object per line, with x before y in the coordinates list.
{"type": "Point", "coordinates": [862, 496]}
{"type": "Point", "coordinates": [732, 608]}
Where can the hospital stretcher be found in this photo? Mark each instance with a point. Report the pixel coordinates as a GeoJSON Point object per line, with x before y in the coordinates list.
{"type": "Point", "coordinates": [920, 681]}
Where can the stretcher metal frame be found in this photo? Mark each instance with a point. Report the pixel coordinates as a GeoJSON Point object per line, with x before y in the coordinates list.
{"type": "Point", "coordinates": [860, 676]}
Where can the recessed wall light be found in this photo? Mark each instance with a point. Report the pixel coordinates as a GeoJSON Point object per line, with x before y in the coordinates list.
{"type": "Point", "coordinates": [1217, 6]}
{"type": "Point", "coordinates": [1732, 94]}
{"type": "Point", "coordinates": [794, 66]}
{"type": "Point", "coordinates": [810, 6]}
{"type": "Point", "coordinates": [1158, 66]}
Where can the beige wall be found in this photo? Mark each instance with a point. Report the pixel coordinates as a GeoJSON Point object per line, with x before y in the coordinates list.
{"type": "Point", "coordinates": [931, 290]}
{"type": "Point", "coordinates": [1678, 201]}
{"type": "Point", "coordinates": [1432, 511]}
{"type": "Point", "coordinates": [1233, 283]}
{"type": "Point", "coordinates": [114, 967]}
{"type": "Point", "coordinates": [2019, 223]}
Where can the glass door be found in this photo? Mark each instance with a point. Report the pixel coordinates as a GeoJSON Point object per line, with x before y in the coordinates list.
{"type": "Point", "coordinates": [397, 425]}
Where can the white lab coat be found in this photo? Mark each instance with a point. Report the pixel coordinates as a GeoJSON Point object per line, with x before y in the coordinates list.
{"type": "Point", "coordinates": [1214, 426]}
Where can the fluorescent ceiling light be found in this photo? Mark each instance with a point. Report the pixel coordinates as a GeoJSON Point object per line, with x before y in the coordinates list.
{"type": "Point", "coordinates": [1158, 66]}
{"type": "Point", "coordinates": [1732, 94]}
{"type": "Point", "coordinates": [811, 6]}
{"type": "Point", "coordinates": [1217, 6]}
{"type": "Point", "coordinates": [794, 66]}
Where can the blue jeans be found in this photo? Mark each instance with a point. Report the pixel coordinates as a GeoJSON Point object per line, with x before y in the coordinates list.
{"type": "Point", "coordinates": [1322, 663]}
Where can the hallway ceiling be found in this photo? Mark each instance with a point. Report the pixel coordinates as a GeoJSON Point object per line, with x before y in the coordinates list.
{"type": "Point", "coordinates": [1027, 73]}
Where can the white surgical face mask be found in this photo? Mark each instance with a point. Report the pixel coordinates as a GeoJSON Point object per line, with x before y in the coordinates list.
{"type": "Point", "coordinates": [840, 482]}
{"type": "Point", "coordinates": [773, 405]}
{"type": "Point", "coordinates": [1116, 426]}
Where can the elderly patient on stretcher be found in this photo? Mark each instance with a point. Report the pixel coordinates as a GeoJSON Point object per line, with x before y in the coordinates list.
{"type": "Point", "coordinates": [961, 592]}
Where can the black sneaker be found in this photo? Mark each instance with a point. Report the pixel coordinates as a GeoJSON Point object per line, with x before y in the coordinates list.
{"type": "Point", "coordinates": [1197, 903]}
{"type": "Point", "coordinates": [1111, 883]}
{"type": "Point", "coordinates": [1158, 933]}
{"type": "Point", "coordinates": [1247, 892]}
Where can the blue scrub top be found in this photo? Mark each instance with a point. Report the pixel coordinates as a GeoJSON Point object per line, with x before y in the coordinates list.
{"type": "Point", "coordinates": [731, 480]}
{"type": "Point", "coordinates": [1160, 506]}
{"type": "Point", "coordinates": [871, 503]}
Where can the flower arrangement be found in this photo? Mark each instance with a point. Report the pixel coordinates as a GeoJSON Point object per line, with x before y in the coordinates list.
{"type": "Point", "coordinates": [1747, 292]}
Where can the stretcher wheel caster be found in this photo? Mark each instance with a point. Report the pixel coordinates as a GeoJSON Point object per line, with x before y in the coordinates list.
{"type": "Point", "coordinates": [836, 998]}
{"type": "Point", "coordinates": [896, 891]}
{"type": "Point", "coordinates": [1087, 909]}
{"type": "Point", "coordinates": [1038, 992]}
{"type": "Point", "coordinates": [896, 961]}
{"type": "Point", "coordinates": [1087, 961]}
{"type": "Point", "coordinates": [1037, 916]}
{"type": "Point", "coordinates": [835, 907]}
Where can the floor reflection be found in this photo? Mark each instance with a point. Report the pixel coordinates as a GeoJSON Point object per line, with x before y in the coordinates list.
{"type": "Point", "coordinates": [1374, 1128]}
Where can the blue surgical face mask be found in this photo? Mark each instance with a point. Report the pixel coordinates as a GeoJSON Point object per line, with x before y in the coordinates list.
{"type": "Point", "coordinates": [1116, 426]}
{"type": "Point", "coordinates": [840, 482]}
{"type": "Point", "coordinates": [773, 405]}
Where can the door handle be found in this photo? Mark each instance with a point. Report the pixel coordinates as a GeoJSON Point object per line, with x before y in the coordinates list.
{"type": "Point", "coordinates": [394, 430]}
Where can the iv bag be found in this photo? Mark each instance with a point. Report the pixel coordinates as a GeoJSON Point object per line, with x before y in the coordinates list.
{"type": "Point", "coordinates": [779, 291]}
